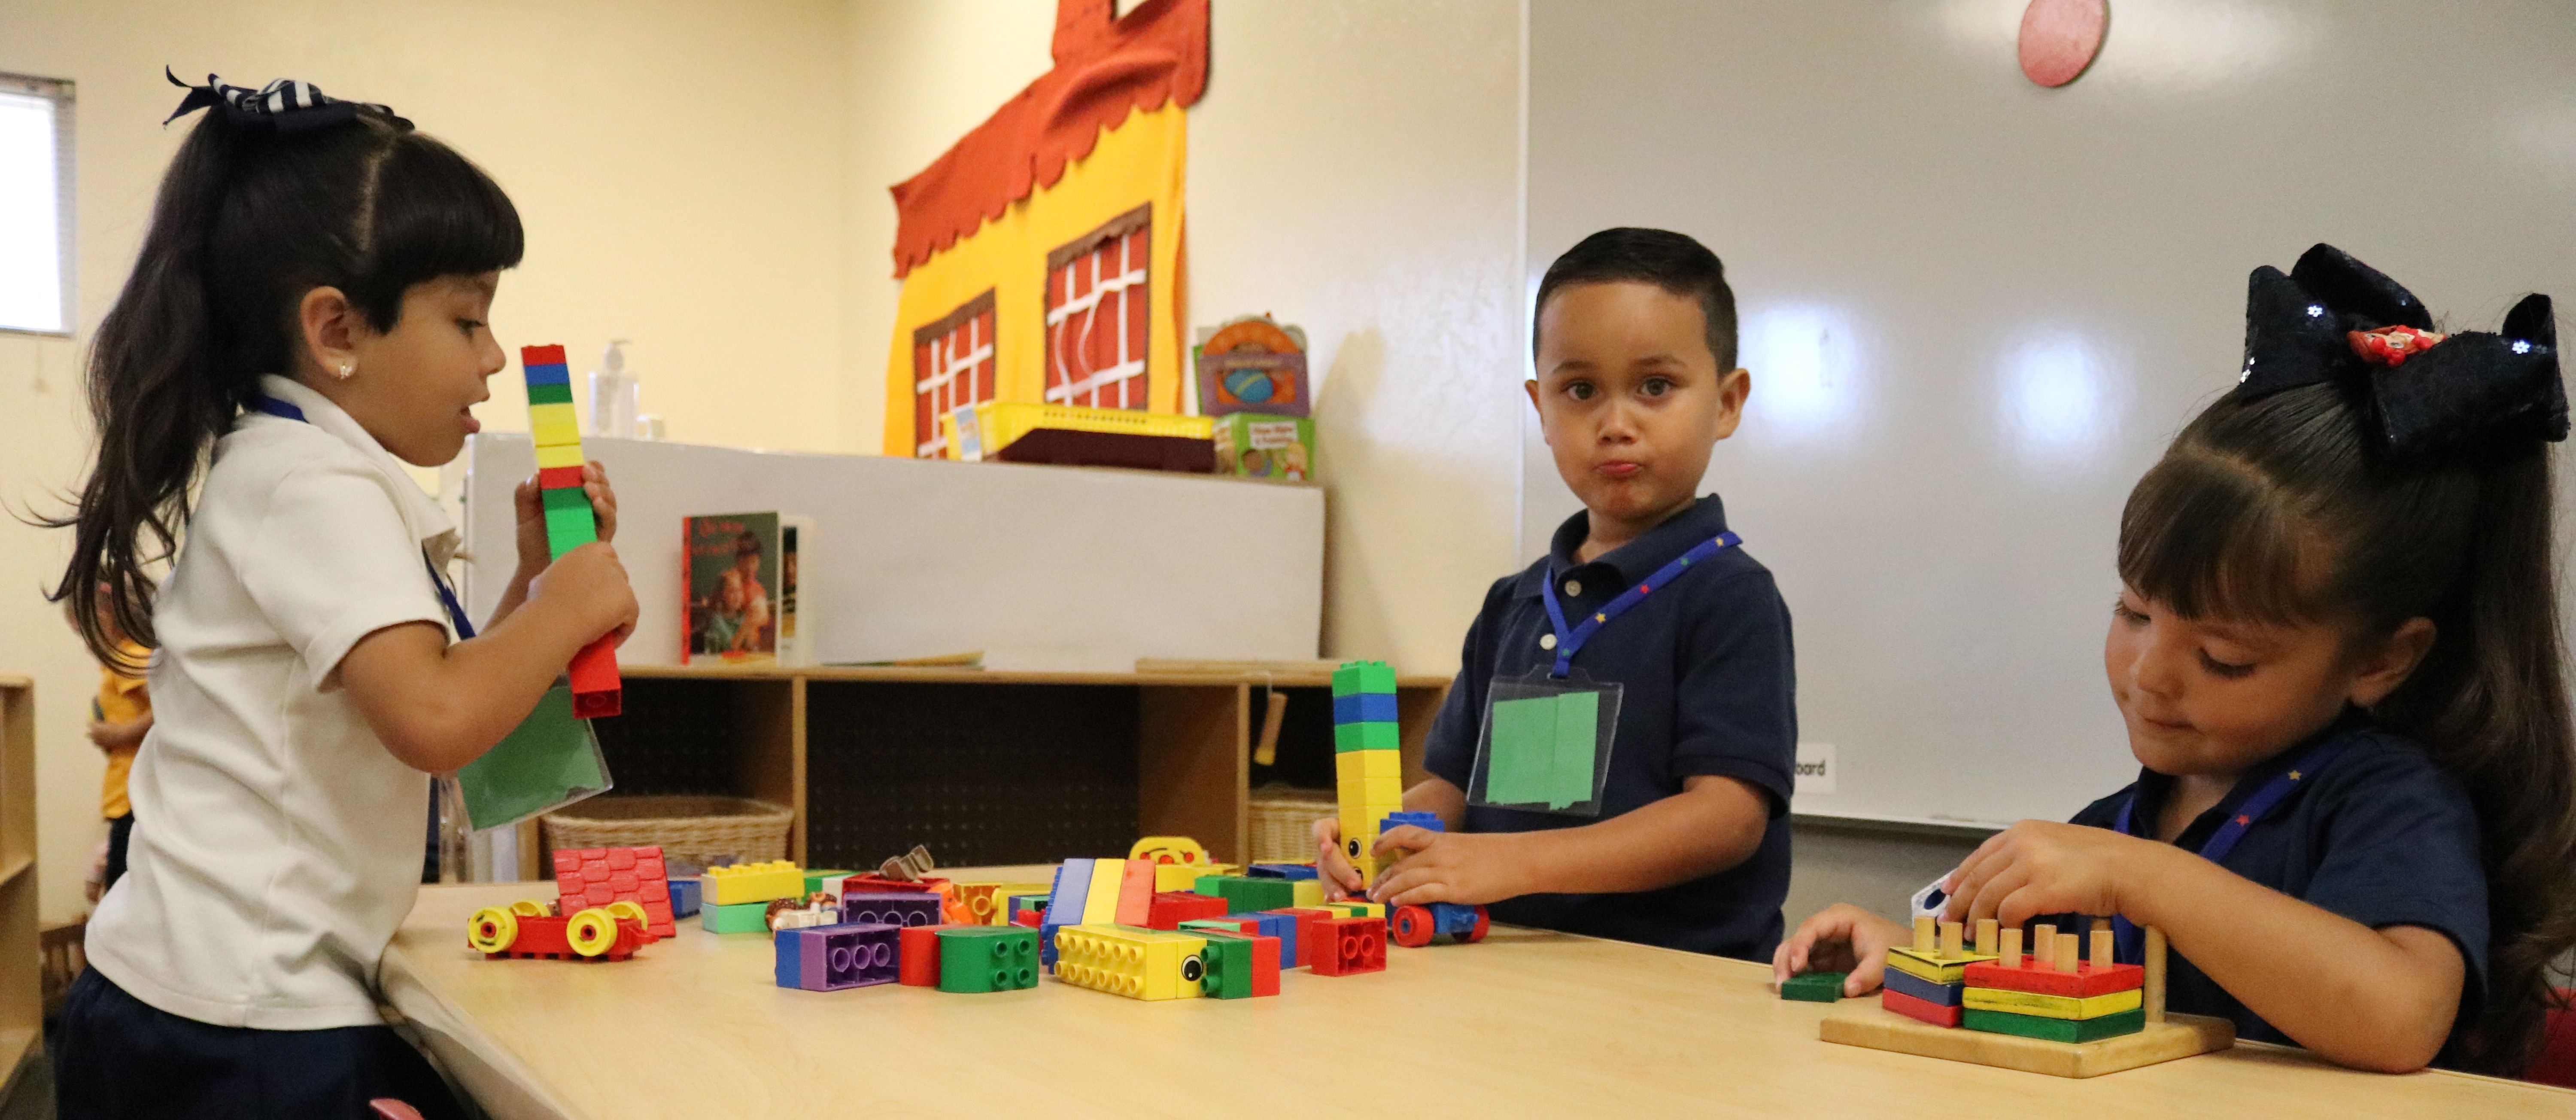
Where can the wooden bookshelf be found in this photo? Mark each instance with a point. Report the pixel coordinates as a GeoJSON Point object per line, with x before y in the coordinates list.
{"type": "Point", "coordinates": [21, 991]}
{"type": "Point", "coordinates": [984, 767]}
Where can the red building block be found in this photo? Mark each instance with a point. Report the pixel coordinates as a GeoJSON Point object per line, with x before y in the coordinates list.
{"type": "Point", "coordinates": [559, 478]}
{"type": "Point", "coordinates": [873, 883]}
{"type": "Point", "coordinates": [1265, 966]}
{"type": "Point", "coordinates": [1033, 918]}
{"type": "Point", "coordinates": [586, 877]}
{"type": "Point", "coordinates": [919, 955]}
{"type": "Point", "coordinates": [1136, 893]}
{"type": "Point", "coordinates": [1309, 934]}
{"type": "Point", "coordinates": [595, 684]}
{"type": "Point", "coordinates": [1923, 1009]}
{"type": "Point", "coordinates": [1171, 908]}
{"type": "Point", "coordinates": [1349, 946]}
{"type": "Point", "coordinates": [2085, 981]}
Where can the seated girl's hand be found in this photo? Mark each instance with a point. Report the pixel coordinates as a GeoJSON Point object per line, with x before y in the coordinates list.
{"type": "Point", "coordinates": [1467, 868]}
{"type": "Point", "coordinates": [1840, 938]}
{"type": "Point", "coordinates": [1341, 880]}
{"type": "Point", "coordinates": [590, 583]}
{"type": "Point", "coordinates": [534, 552]}
{"type": "Point", "coordinates": [2044, 867]}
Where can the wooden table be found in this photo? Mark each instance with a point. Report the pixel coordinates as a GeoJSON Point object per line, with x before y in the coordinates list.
{"type": "Point", "coordinates": [1527, 1023]}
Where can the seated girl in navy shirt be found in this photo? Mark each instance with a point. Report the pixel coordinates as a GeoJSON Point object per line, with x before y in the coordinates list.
{"type": "Point", "coordinates": [2336, 648]}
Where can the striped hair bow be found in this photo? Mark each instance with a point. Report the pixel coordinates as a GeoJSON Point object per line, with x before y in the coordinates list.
{"type": "Point", "coordinates": [285, 106]}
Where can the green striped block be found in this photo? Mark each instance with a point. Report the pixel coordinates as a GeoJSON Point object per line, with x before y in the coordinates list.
{"type": "Point", "coordinates": [2055, 1030]}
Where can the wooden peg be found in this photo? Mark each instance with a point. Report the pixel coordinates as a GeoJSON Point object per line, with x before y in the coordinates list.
{"type": "Point", "coordinates": [2070, 952]}
{"type": "Point", "coordinates": [1925, 940]}
{"type": "Point", "coordinates": [1951, 936]}
{"type": "Point", "coordinates": [2012, 947]}
{"type": "Point", "coordinates": [1985, 937]}
{"type": "Point", "coordinates": [2155, 997]}
{"type": "Point", "coordinates": [2102, 952]}
{"type": "Point", "coordinates": [2043, 946]}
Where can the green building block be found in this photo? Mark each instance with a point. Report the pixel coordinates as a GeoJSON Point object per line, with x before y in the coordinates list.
{"type": "Point", "coordinates": [1246, 895]}
{"type": "Point", "coordinates": [1815, 987]}
{"type": "Point", "coordinates": [565, 498]}
{"type": "Point", "coordinates": [550, 394]}
{"type": "Point", "coordinates": [987, 958]}
{"type": "Point", "coordinates": [2056, 1030]}
{"type": "Point", "coordinates": [741, 917]}
{"type": "Point", "coordinates": [814, 880]}
{"type": "Point", "coordinates": [1212, 886]}
{"type": "Point", "coordinates": [1356, 677]}
{"type": "Point", "coordinates": [568, 529]}
{"type": "Point", "coordinates": [1374, 736]}
{"type": "Point", "coordinates": [1228, 964]}
{"type": "Point", "coordinates": [1210, 925]}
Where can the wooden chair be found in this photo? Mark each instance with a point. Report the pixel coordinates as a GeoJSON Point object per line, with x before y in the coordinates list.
{"type": "Point", "coordinates": [62, 949]}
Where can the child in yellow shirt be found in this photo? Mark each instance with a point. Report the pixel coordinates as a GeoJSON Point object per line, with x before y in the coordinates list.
{"type": "Point", "coordinates": [118, 718]}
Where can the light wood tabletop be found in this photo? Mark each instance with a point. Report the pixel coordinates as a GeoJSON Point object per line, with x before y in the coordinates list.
{"type": "Point", "coordinates": [1526, 1023]}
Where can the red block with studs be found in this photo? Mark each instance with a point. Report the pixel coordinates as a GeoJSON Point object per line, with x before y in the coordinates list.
{"type": "Point", "coordinates": [587, 877]}
{"type": "Point", "coordinates": [1349, 946]}
{"type": "Point", "coordinates": [1171, 908]}
{"type": "Point", "coordinates": [1309, 932]}
{"type": "Point", "coordinates": [919, 955]}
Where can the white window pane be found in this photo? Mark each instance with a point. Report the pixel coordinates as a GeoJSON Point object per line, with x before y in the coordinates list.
{"type": "Point", "coordinates": [31, 271]}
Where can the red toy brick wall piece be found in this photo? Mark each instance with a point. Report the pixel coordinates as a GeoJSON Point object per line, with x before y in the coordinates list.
{"type": "Point", "coordinates": [1171, 908]}
{"type": "Point", "coordinates": [1136, 893]}
{"type": "Point", "coordinates": [1265, 966]}
{"type": "Point", "coordinates": [1351, 946]}
{"type": "Point", "coordinates": [919, 955]}
{"type": "Point", "coordinates": [1310, 934]}
{"type": "Point", "coordinates": [587, 877]}
{"type": "Point", "coordinates": [596, 688]}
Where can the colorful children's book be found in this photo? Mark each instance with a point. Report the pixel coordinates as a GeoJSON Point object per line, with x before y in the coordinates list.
{"type": "Point", "coordinates": [746, 604]}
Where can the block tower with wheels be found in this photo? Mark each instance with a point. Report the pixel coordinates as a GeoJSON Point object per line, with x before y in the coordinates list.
{"type": "Point", "coordinates": [569, 523]}
{"type": "Point", "coordinates": [1367, 765]}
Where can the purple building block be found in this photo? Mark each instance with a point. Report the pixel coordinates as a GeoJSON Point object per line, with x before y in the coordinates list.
{"type": "Point", "coordinates": [894, 908]}
{"type": "Point", "coordinates": [830, 958]}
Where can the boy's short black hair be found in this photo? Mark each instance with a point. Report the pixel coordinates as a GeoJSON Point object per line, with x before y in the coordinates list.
{"type": "Point", "coordinates": [1675, 262]}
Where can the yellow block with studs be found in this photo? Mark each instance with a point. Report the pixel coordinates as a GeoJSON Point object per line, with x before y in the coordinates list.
{"type": "Point", "coordinates": [751, 882]}
{"type": "Point", "coordinates": [554, 425]}
{"type": "Point", "coordinates": [1136, 963]}
{"type": "Point", "coordinates": [559, 455]}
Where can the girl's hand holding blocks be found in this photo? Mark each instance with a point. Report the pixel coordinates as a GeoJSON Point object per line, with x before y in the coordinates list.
{"type": "Point", "coordinates": [534, 552]}
{"type": "Point", "coordinates": [2044, 867]}
{"type": "Point", "coordinates": [1840, 938]}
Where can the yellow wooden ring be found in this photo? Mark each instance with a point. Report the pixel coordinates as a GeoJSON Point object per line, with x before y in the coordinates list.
{"type": "Point", "coordinates": [591, 932]}
{"type": "Point", "coordinates": [629, 910]}
{"type": "Point", "coordinates": [531, 908]}
{"type": "Point", "coordinates": [491, 930]}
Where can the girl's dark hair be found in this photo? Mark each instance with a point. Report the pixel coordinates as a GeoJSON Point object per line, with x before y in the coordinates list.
{"type": "Point", "coordinates": [2283, 509]}
{"type": "Point", "coordinates": [247, 222]}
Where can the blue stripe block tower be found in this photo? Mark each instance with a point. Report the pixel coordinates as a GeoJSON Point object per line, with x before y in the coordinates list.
{"type": "Point", "coordinates": [1367, 765]}
{"type": "Point", "coordinates": [569, 525]}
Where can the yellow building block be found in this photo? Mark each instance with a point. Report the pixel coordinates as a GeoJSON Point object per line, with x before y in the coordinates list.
{"type": "Point", "coordinates": [2052, 1007]}
{"type": "Point", "coordinates": [1356, 908]}
{"type": "Point", "coordinates": [1136, 963]}
{"type": "Point", "coordinates": [1309, 892]}
{"type": "Point", "coordinates": [1350, 767]}
{"type": "Point", "coordinates": [559, 455]}
{"type": "Point", "coordinates": [1100, 903]}
{"type": "Point", "coordinates": [751, 882]}
{"type": "Point", "coordinates": [554, 425]}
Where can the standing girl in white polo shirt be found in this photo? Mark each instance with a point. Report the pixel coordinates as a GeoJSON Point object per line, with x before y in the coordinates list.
{"type": "Point", "coordinates": [309, 304]}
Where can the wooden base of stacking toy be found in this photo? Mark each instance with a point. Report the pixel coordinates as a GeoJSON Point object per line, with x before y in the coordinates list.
{"type": "Point", "coordinates": [1864, 1023]}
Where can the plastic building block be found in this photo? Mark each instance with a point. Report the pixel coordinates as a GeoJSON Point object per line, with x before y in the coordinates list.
{"type": "Point", "coordinates": [891, 909]}
{"type": "Point", "coordinates": [1072, 889]}
{"type": "Point", "coordinates": [1309, 934]}
{"type": "Point", "coordinates": [873, 883]}
{"type": "Point", "coordinates": [1365, 737]}
{"type": "Point", "coordinates": [1178, 861]}
{"type": "Point", "coordinates": [1240, 967]}
{"type": "Point", "coordinates": [741, 917]}
{"type": "Point", "coordinates": [1426, 821]}
{"type": "Point", "coordinates": [1136, 963]}
{"type": "Point", "coordinates": [1364, 707]}
{"type": "Point", "coordinates": [1171, 908]}
{"type": "Point", "coordinates": [1108, 878]}
{"type": "Point", "coordinates": [1014, 903]}
{"type": "Point", "coordinates": [1355, 677]}
{"type": "Point", "coordinates": [830, 958]}
{"type": "Point", "coordinates": [1245, 895]}
{"type": "Point", "coordinates": [554, 425]}
{"type": "Point", "coordinates": [1272, 924]}
{"type": "Point", "coordinates": [987, 959]}
{"type": "Point", "coordinates": [752, 882]}
{"type": "Point", "coordinates": [1136, 893]}
{"type": "Point", "coordinates": [2055, 1030]}
{"type": "Point", "coordinates": [1943, 995]}
{"type": "Point", "coordinates": [1924, 1010]}
{"type": "Point", "coordinates": [1029, 918]}
{"type": "Point", "coordinates": [547, 355]}
{"type": "Point", "coordinates": [596, 692]}
{"type": "Point", "coordinates": [590, 934]}
{"type": "Point", "coordinates": [2084, 981]}
{"type": "Point", "coordinates": [1815, 987]}
{"type": "Point", "coordinates": [559, 457]}
{"type": "Point", "coordinates": [2052, 1007]}
{"type": "Point", "coordinates": [1354, 908]}
{"type": "Point", "coordinates": [1350, 946]}
{"type": "Point", "coordinates": [684, 898]}
{"type": "Point", "coordinates": [824, 881]}
{"type": "Point", "coordinates": [559, 478]}
{"type": "Point", "coordinates": [587, 877]}
{"type": "Point", "coordinates": [1378, 774]}
{"type": "Point", "coordinates": [919, 952]}
{"type": "Point", "coordinates": [568, 529]}
{"type": "Point", "coordinates": [1233, 923]}
{"type": "Point", "coordinates": [1281, 871]}
{"type": "Point", "coordinates": [1306, 892]}
{"type": "Point", "coordinates": [1444, 923]}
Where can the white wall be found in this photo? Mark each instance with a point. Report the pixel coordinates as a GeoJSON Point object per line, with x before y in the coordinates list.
{"type": "Point", "coordinates": [677, 164]}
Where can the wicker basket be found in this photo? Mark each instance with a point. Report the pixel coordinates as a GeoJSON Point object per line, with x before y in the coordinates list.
{"type": "Point", "coordinates": [1283, 823]}
{"type": "Point", "coordinates": [694, 832]}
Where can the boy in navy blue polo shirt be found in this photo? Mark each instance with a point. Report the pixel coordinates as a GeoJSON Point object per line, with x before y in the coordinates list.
{"type": "Point", "coordinates": [1636, 382]}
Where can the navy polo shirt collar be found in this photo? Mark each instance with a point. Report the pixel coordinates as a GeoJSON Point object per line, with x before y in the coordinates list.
{"type": "Point", "coordinates": [1633, 561]}
{"type": "Point", "coordinates": [2153, 787]}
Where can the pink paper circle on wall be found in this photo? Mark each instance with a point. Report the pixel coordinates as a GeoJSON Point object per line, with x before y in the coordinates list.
{"type": "Point", "coordinates": [2060, 37]}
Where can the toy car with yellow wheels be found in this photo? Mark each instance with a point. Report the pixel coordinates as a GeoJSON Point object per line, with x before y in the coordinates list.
{"type": "Point", "coordinates": [529, 929]}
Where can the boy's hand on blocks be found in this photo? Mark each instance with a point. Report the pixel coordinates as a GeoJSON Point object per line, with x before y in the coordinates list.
{"type": "Point", "coordinates": [1466, 868]}
{"type": "Point", "coordinates": [534, 552]}
{"type": "Point", "coordinates": [2045, 867]}
{"type": "Point", "coordinates": [590, 583]}
{"type": "Point", "coordinates": [1840, 938]}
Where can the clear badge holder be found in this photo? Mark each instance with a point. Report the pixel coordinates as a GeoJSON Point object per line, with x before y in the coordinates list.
{"type": "Point", "coordinates": [550, 760]}
{"type": "Point", "coordinates": [1545, 744]}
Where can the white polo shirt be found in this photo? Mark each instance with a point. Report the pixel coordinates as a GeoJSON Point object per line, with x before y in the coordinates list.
{"type": "Point", "coordinates": [277, 843]}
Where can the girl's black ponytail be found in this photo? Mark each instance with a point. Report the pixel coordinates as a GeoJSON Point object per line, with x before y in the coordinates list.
{"type": "Point", "coordinates": [258, 208]}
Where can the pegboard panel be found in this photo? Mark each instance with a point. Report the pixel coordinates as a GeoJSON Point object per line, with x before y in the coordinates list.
{"type": "Point", "coordinates": [674, 736]}
{"type": "Point", "coordinates": [981, 773]}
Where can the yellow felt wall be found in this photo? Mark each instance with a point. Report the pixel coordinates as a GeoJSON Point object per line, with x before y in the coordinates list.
{"type": "Point", "coordinates": [1142, 160]}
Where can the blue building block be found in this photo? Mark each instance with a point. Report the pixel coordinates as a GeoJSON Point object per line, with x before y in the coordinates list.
{"type": "Point", "coordinates": [1393, 821]}
{"type": "Point", "coordinates": [1364, 707]}
{"type": "Point", "coordinates": [684, 897]}
{"type": "Point", "coordinates": [830, 958]}
{"type": "Point", "coordinates": [548, 373]}
{"type": "Point", "coordinates": [1281, 870]}
{"type": "Point", "coordinates": [894, 908]}
{"type": "Point", "coordinates": [1064, 905]}
{"type": "Point", "coordinates": [1281, 926]}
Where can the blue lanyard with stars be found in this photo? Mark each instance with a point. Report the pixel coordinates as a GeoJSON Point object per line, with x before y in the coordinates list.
{"type": "Point", "coordinates": [2131, 941]}
{"type": "Point", "coordinates": [446, 597]}
{"type": "Point", "coordinates": [1570, 640]}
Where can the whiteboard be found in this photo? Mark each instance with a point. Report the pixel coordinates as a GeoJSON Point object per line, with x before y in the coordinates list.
{"type": "Point", "coordinates": [1975, 310]}
{"type": "Point", "coordinates": [1041, 568]}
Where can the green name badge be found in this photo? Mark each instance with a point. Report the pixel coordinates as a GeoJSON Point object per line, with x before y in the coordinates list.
{"type": "Point", "coordinates": [1544, 750]}
{"type": "Point", "coordinates": [549, 761]}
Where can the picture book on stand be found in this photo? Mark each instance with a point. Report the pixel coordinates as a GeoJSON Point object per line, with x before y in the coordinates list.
{"type": "Point", "coordinates": [744, 602]}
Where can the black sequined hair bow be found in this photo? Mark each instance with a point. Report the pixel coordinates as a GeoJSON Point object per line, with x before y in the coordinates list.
{"type": "Point", "coordinates": [2336, 319]}
{"type": "Point", "coordinates": [285, 106]}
